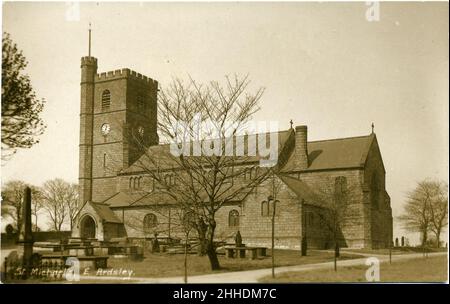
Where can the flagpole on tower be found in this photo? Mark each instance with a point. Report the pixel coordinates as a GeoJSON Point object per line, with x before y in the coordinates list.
{"type": "Point", "coordinates": [89, 53]}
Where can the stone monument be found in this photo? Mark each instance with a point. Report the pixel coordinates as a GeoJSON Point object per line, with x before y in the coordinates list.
{"type": "Point", "coordinates": [26, 235]}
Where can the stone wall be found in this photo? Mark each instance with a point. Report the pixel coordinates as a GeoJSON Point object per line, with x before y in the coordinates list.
{"type": "Point", "coordinates": [353, 224]}
{"type": "Point", "coordinates": [380, 211]}
{"type": "Point", "coordinates": [255, 228]}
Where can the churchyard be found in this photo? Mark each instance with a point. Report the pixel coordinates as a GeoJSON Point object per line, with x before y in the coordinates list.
{"type": "Point", "coordinates": [160, 265]}
{"type": "Point", "coordinates": [124, 258]}
{"type": "Point", "coordinates": [163, 265]}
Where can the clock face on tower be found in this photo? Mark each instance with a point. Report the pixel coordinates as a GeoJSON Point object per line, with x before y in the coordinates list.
{"type": "Point", "coordinates": [106, 128]}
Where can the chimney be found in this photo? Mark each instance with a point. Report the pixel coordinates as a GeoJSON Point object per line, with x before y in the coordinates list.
{"type": "Point", "coordinates": [301, 147]}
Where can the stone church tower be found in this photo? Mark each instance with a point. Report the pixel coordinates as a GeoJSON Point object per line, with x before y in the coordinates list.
{"type": "Point", "coordinates": [118, 119]}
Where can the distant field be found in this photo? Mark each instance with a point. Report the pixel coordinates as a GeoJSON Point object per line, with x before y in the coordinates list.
{"type": "Point", "coordinates": [431, 269]}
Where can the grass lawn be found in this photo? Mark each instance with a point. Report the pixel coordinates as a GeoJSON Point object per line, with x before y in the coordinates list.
{"type": "Point", "coordinates": [432, 269]}
{"type": "Point", "coordinates": [165, 265]}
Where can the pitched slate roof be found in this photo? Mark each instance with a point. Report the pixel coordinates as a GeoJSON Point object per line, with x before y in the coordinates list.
{"type": "Point", "coordinates": [161, 154]}
{"type": "Point", "coordinates": [330, 154]}
{"type": "Point", "coordinates": [338, 153]}
{"type": "Point", "coordinates": [142, 198]}
{"type": "Point", "coordinates": [105, 213]}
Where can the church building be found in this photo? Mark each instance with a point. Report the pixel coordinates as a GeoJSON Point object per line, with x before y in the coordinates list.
{"type": "Point", "coordinates": [116, 197]}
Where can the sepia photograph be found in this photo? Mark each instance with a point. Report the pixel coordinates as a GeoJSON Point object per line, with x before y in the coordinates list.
{"type": "Point", "coordinates": [224, 142]}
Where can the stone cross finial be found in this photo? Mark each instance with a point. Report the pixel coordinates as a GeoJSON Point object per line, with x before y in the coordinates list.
{"type": "Point", "coordinates": [373, 126]}
{"type": "Point", "coordinates": [291, 122]}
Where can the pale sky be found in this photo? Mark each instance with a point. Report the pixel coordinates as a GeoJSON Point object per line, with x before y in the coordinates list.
{"type": "Point", "coordinates": [322, 64]}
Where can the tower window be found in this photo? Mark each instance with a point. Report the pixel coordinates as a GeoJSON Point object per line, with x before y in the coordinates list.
{"type": "Point", "coordinates": [106, 100]}
{"type": "Point", "coordinates": [140, 102]}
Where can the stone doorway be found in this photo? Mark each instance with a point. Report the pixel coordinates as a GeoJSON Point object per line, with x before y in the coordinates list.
{"type": "Point", "coordinates": [87, 227]}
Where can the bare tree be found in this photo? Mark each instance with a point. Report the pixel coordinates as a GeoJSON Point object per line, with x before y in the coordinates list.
{"type": "Point", "coordinates": [197, 170]}
{"type": "Point", "coordinates": [423, 209]}
{"type": "Point", "coordinates": [427, 209]}
{"type": "Point", "coordinates": [334, 212]}
{"type": "Point", "coordinates": [439, 210]}
{"type": "Point", "coordinates": [55, 198]}
{"type": "Point", "coordinates": [37, 205]}
{"type": "Point", "coordinates": [21, 123]}
{"type": "Point", "coordinates": [12, 201]}
{"type": "Point", "coordinates": [72, 202]}
{"type": "Point", "coordinates": [272, 202]}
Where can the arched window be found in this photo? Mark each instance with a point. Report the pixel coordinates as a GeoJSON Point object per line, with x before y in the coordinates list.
{"type": "Point", "coordinates": [264, 208]}
{"type": "Point", "coordinates": [233, 218]}
{"type": "Point", "coordinates": [135, 183]}
{"type": "Point", "coordinates": [130, 185]}
{"type": "Point", "coordinates": [169, 179]}
{"type": "Point", "coordinates": [250, 173]}
{"type": "Point", "coordinates": [104, 160]}
{"type": "Point", "coordinates": [374, 190]}
{"type": "Point", "coordinates": [267, 208]}
{"type": "Point", "coordinates": [106, 100]}
{"type": "Point", "coordinates": [150, 222]}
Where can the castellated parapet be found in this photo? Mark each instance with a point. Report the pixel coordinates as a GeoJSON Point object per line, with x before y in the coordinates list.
{"type": "Point", "coordinates": [125, 73]}
{"type": "Point", "coordinates": [88, 60]}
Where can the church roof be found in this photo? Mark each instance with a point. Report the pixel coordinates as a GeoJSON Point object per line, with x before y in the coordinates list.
{"type": "Point", "coordinates": [340, 153]}
{"type": "Point", "coordinates": [105, 213]}
{"type": "Point", "coordinates": [161, 155]}
{"type": "Point", "coordinates": [140, 198]}
{"type": "Point", "coordinates": [154, 198]}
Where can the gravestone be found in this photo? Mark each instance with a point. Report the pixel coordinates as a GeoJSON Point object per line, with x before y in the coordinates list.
{"type": "Point", "coordinates": [26, 235]}
{"type": "Point", "coordinates": [396, 242]}
{"type": "Point", "coordinates": [238, 239]}
{"type": "Point", "coordinates": [155, 243]}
